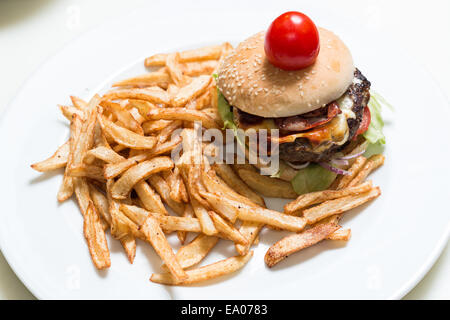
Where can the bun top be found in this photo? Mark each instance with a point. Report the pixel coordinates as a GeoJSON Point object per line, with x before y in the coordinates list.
{"type": "Point", "coordinates": [252, 84]}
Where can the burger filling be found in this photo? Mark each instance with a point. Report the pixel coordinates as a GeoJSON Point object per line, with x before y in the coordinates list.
{"type": "Point", "coordinates": [315, 136]}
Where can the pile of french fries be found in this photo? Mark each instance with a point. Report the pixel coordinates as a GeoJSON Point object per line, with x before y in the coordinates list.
{"type": "Point", "coordinates": [117, 164]}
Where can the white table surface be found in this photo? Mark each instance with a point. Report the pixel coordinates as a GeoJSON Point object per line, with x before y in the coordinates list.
{"type": "Point", "coordinates": [32, 30]}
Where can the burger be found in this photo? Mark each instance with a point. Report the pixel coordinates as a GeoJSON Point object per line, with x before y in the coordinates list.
{"type": "Point", "coordinates": [318, 109]}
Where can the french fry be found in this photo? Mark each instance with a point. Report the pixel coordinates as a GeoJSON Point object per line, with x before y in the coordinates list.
{"type": "Point", "coordinates": [103, 153]}
{"type": "Point", "coordinates": [153, 126]}
{"type": "Point", "coordinates": [296, 242]}
{"type": "Point", "coordinates": [146, 80]}
{"type": "Point", "coordinates": [340, 235]}
{"type": "Point", "coordinates": [237, 184]}
{"type": "Point", "coordinates": [182, 114]}
{"type": "Point", "coordinates": [224, 206]}
{"type": "Point", "coordinates": [66, 189]}
{"type": "Point", "coordinates": [249, 231]}
{"type": "Point", "coordinates": [195, 69]}
{"type": "Point", "coordinates": [189, 213]}
{"type": "Point", "coordinates": [232, 209]}
{"type": "Point", "coordinates": [268, 187]}
{"type": "Point", "coordinates": [161, 186]}
{"type": "Point", "coordinates": [137, 214]}
{"type": "Point", "coordinates": [165, 133]}
{"type": "Point", "coordinates": [82, 193]}
{"type": "Point", "coordinates": [96, 239]}
{"type": "Point", "coordinates": [150, 94]}
{"type": "Point", "coordinates": [129, 244]}
{"type": "Point", "coordinates": [56, 161]}
{"type": "Point", "coordinates": [206, 53]}
{"type": "Point", "coordinates": [207, 272]}
{"type": "Point", "coordinates": [174, 69]}
{"type": "Point", "coordinates": [101, 203]}
{"type": "Point", "coordinates": [150, 199]}
{"type": "Point", "coordinates": [337, 206]}
{"type": "Point", "coordinates": [137, 116]}
{"type": "Point", "coordinates": [122, 227]}
{"type": "Point", "coordinates": [88, 171]}
{"type": "Point", "coordinates": [217, 186]}
{"type": "Point", "coordinates": [312, 198]}
{"type": "Point", "coordinates": [69, 111]}
{"type": "Point", "coordinates": [127, 137]}
{"type": "Point", "coordinates": [85, 139]}
{"type": "Point", "coordinates": [172, 223]}
{"type": "Point", "coordinates": [114, 169]}
{"type": "Point", "coordinates": [141, 171]}
{"type": "Point", "coordinates": [203, 101]}
{"type": "Point", "coordinates": [175, 183]}
{"type": "Point", "coordinates": [194, 252]}
{"type": "Point", "coordinates": [353, 171]}
{"type": "Point", "coordinates": [372, 163]}
{"type": "Point", "coordinates": [272, 218]}
{"type": "Point", "coordinates": [78, 103]}
{"type": "Point", "coordinates": [226, 229]}
{"type": "Point", "coordinates": [191, 91]}
{"type": "Point", "coordinates": [153, 233]}
{"type": "Point", "coordinates": [123, 116]}
{"type": "Point", "coordinates": [201, 213]}
{"type": "Point", "coordinates": [141, 105]}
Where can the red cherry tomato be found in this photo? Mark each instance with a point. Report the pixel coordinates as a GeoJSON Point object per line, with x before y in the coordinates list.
{"type": "Point", "coordinates": [365, 122]}
{"type": "Point", "coordinates": [292, 41]}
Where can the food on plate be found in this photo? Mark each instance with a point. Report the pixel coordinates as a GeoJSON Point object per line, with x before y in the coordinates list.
{"type": "Point", "coordinates": [140, 166]}
{"type": "Point", "coordinates": [312, 93]}
{"type": "Point", "coordinates": [298, 241]}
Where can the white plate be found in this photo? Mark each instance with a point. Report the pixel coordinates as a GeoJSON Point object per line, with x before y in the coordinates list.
{"type": "Point", "coordinates": [396, 239]}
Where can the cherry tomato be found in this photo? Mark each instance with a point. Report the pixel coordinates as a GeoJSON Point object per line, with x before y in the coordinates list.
{"type": "Point", "coordinates": [292, 41]}
{"type": "Point", "coordinates": [365, 122]}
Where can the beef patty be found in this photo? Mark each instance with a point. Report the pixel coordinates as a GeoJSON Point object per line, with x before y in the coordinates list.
{"type": "Point", "coordinates": [301, 150]}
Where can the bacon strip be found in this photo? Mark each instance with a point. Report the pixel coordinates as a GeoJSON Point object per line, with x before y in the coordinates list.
{"type": "Point", "coordinates": [303, 122]}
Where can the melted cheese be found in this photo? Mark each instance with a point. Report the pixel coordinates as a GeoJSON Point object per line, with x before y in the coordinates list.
{"type": "Point", "coordinates": [336, 131]}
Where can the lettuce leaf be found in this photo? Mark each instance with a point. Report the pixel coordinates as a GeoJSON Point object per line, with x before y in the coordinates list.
{"type": "Point", "coordinates": [312, 178]}
{"type": "Point", "coordinates": [374, 133]}
{"type": "Point", "coordinates": [226, 114]}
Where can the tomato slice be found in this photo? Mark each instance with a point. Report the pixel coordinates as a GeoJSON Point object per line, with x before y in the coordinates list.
{"type": "Point", "coordinates": [364, 123]}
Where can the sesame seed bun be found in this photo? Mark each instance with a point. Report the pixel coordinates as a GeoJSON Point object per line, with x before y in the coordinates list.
{"type": "Point", "coordinates": [252, 84]}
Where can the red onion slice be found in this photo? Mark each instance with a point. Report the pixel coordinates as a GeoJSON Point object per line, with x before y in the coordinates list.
{"type": "Point", "coordinates": [333, 169]}
{"type": "Point", "coordinates": [297, 166]}
{"type": "Point", "coordinates": [351, 156]}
